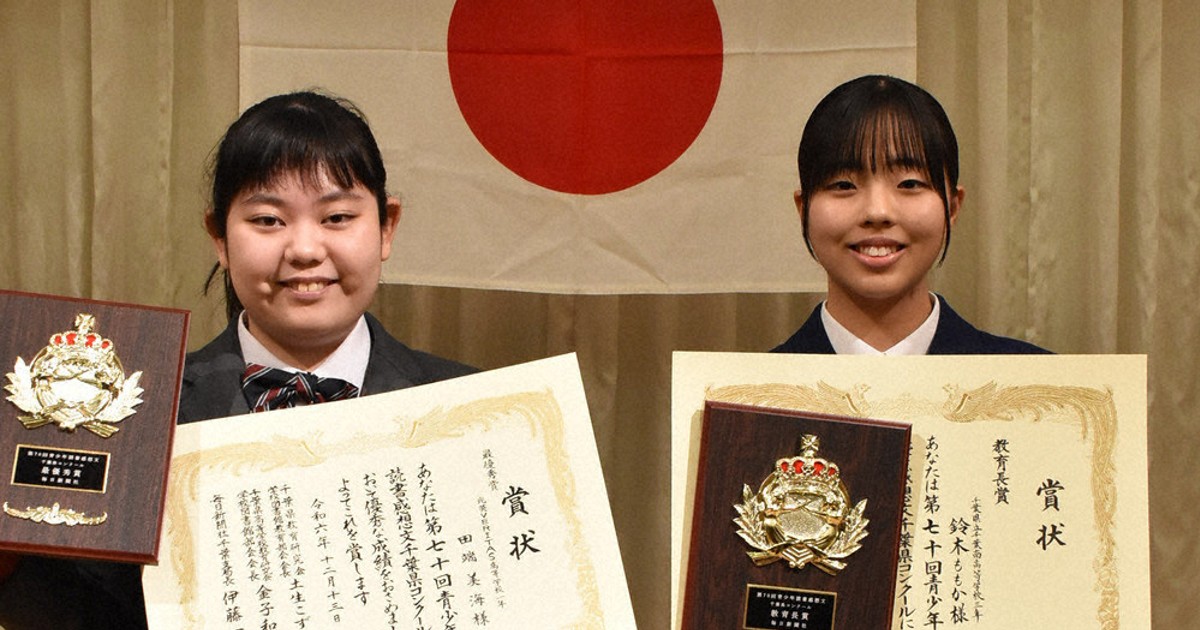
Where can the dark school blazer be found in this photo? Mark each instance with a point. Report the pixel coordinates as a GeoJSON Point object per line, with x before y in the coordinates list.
{"type": "Point", "coordinates": [954, 335]}
{"type": "Point", "coordinates": [212, 375]}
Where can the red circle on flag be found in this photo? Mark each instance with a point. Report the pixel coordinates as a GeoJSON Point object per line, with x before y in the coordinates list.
{"type": "Point", "coordinates": [585, 96]}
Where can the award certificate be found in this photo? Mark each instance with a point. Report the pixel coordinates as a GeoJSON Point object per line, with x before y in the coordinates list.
{"type": "Point", "coordinates": [474, 502]}
{"type": "Point", "coordinates": [1026, 498]}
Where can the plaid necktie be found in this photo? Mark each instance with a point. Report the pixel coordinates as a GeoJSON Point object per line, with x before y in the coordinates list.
{"type": "Point", "coordinates": [270, 388]}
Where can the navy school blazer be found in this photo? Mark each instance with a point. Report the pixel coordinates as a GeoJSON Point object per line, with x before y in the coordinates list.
{"type": "Point", "coordinates": [954, 335]}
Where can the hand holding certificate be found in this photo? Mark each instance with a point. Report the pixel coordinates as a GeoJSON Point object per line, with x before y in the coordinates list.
{"type": "Point", "coordinates": [475, 501]}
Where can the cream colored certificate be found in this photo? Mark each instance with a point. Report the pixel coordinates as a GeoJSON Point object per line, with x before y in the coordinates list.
{"type": "Point", "coordinates": [475, 502]}
{"type": "Point", "coordinates": [1027, 502]}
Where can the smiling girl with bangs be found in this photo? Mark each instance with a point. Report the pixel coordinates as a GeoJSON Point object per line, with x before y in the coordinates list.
{"type": "Point", "coordinates": [878, 197]}
{"type": "Point", "coordinates": [301, 223]}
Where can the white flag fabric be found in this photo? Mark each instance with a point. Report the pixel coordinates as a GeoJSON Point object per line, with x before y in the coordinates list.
{"type": "Point", "coordinates": [585, 146]}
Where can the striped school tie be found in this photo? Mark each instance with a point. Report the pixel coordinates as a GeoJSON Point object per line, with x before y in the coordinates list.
{"type": "Point", "coordinates": [267, 388]}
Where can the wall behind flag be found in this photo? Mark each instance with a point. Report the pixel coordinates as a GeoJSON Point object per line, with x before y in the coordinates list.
{"type": "Point", "coordinates": [533, 142]}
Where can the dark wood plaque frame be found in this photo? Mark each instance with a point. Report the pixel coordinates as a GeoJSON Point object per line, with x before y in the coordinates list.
{"type": "Point", "coordinates": [133, 462]}
{"type": "Point", "coordinates": [739, 444]}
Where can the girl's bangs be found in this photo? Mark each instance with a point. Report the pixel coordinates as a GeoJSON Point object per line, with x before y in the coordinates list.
{"type": "Point", "coordinates": [888, 140]}
{"type": "Point", "coordinates": [310, 158]}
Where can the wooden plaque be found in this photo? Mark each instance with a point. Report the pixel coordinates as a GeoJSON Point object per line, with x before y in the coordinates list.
{"type": "Point", "coordinates": [65, 489]}
{"type": "Point", "coordinates": [741, 448]}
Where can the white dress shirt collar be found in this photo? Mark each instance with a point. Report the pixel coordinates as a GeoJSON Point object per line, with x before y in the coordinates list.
{"type": "Point", "coordinates": [917, 342]}
{"type": "Point", "coordinates": [348, 362]}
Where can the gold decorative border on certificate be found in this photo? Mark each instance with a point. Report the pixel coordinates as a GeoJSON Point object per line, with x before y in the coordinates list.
{"type": "Point", "coordinates": [538, 411]}
{"type": "Point", "coordinates": [1092, 409]}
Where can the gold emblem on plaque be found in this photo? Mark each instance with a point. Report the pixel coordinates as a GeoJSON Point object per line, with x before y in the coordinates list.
{"type": "Point", "coordinates": [55, 515]}
{"type": "Point", "coordinates": [75, 381]}
{"type": "Point", "coordinates": [802, 514]}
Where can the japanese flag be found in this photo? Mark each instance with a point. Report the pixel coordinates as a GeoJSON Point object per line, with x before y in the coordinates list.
{"type": "Point", "coordinates": [585, 146]}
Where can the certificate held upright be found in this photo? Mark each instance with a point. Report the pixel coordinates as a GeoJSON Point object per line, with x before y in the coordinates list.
{"type": "Point", "coordinates": [90, 396]}
{"type": "Point", "coordinates": [796, 522]}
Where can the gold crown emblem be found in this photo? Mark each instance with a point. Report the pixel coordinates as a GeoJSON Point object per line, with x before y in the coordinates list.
{"type": "Point", "coordinates": [77, 380]}
{"type": "Point", "coordinates": [82, 340]}
{"type": "Point", "coordinates": [808, 465]}
{"type": "Point", "coordinates": [802, 514]}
